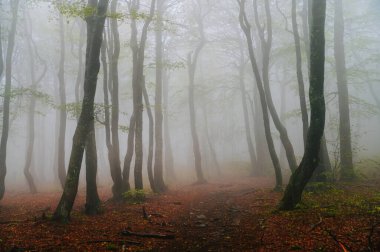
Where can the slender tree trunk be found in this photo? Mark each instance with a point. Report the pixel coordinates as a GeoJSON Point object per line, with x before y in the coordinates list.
{"type": "Point", "coordinates": [251, 149]}
{"type": "Point", "coordinates": [7, 96]}
{"type": "Point", "coordinates": [158, 160]}
{"type": "Point", "coordinates": [301, 85]}
{"type": "Point", "coordinates": [114, 81]}
{"type": "Point", "coordinates": [79, 78]}
{"type": "Point", "coordinates": [169, 162]}
{"type": "Point", "coordinates": [138, 52]}
{"type": "Point", "coordinates": [266, 44]}
{"type": "Point", "coordinates": [210, 145]}
{"type": "Point", "coordinates": [1, 48]}
{"type": "Point", "coordinates": [304, 172]}
{"type": "Point", "coordinates": [346, 165]}
{"type": "Point", "coordinates": [247, 31]}
{"type": "Point", "coordinates": [32, 105]}
{"type": "Point", "coordinates": [95, 26]}
{"type": "Point", "coordinates": [152, 183]}
{"type": "Point", "coordinates": [62, 107]}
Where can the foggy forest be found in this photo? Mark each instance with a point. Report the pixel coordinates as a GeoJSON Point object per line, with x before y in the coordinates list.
{"type": "Point", "coordinates": [189, 125]}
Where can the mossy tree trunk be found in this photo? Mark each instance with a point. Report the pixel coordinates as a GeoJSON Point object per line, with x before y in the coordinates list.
{"type": "Point", "coordinates": [95, 27]}
{"type": "Point", "coordinates": [304, 172]}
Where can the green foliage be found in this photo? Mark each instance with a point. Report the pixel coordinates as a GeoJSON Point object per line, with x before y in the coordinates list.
{"type": "Point", "coordinates": [134, 196]}
{"type": "Point", "coordinates": [29, 92]}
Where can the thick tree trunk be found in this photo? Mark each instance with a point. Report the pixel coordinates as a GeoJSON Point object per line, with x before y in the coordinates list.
{"type": "Point", "coordinates": [62, 107]}
{"type": "Point", "coordinates": [7, 96]}
{"type": "Point", "coordinates": [324, 164]}
{"type": "Point", "coordinates": [92, 198]}
{"type": "Point", "coordinates": [266, 44]}
{"type": "Point", "coordinates": [346, 165]}
{"type": "Point", "coordinates": [95, 26]}
{"type": "Point", "coordinates": [153, 186]}
{"type": "Point", "coordinates": [114, 82]}
{"type": "Point", "coordinates": [158, 160]}
{"type": "Point", "coordinates": [301, 84]}
{"type": "Point", "coordinates": [169, 162]}
{"type": "Point", "coordinates": [304, 172]}
{"type": "Point", "coordinates": [247, 31]}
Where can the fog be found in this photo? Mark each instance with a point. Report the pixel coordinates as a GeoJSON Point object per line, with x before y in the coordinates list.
{"type": "Point", "coordinates": [219, 112]}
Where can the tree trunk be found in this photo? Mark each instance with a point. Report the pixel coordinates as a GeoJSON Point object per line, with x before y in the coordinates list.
{"type": "Point", "coordinates": [114, 82]}
{"type": "Point", "coordinates": [7, 96]}
{"type": "Point", "coordinates": [301, 85]}
{"type": "Point", "coordinates": [158, 161]}
{"type": "Point", "coordinates": [32, 105]}
{"type": "Point", "coordinates": [92, 198]}
{"type": "Point", "coordinates": [324, 164]}
{"type": "Point", "coordinates": [304, 172]}
{"type": "Point", "coordinates": [169, 162]}
{"type": "Point", "coordinates": [138, 52]}
{"type": "Point", "coordinates": [266, 44]}
{"type": "Point", "coordinates": [79, 78]}
{"type": "Point", "coordinates": [153, 186]}
{"type": "Point", "coordinates": [346, 165]}
{"type": "Point", "coordinates": [62, 107]}
{"type": "Point", "coordinates": [246, 27]}
{"type": "Point", "coordinates": [210, 145]}
{"type": "Point", "coordinates": [95, 26]}
{"type": "Point", "coordinates": [251, 149]}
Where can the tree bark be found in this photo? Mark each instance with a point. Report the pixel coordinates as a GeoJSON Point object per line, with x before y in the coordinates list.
{"type": "Point", "coordinates": [301, 84]}
{"type": "Point", "coordinates": [114, 82]}
{"type": "Point", "coordinates": [266, 44]}
{"type": "Point", "coordinates": [7, 96]}
{"type": "Point", "coordinates": [192, 60]}
{"type": "Point", "coordinates": [95, 26]}
{"type": "Point", "coordinates": [32, 104]}
{"type": "Point", "coordinates": [246, 27]}
{"type": "Point", "coordinates": [62, 105]}
{"type": "Point", "coordinates": [346, 165]}
{"type": "Point", "coordinates": [79, 78]}
{"type": "Point", "coordinates": [152, 183]}
{"type": "Point", "coordinates": [158, 161]}
{"type": "Point", "coordinates": [304, 172]}
{"type": "Point", "coordinates": [243, 93]}
{"type": "Point", "coordinates": [169, 162]}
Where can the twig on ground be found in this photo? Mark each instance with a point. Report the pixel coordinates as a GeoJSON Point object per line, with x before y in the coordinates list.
{"type": "Point", "coordinates": [314, 226]}
{"type": "Point", "coordinates": [114, 241]}
{"type": "Point", "coordinates": [148, 235]}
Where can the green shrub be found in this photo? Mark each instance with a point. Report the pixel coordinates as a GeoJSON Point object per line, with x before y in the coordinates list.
{"type": "Point", "coordinates": [134, 196]}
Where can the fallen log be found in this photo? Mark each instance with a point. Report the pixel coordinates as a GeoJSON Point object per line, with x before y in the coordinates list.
{"type": "Point", "coordinates": [148, 235]}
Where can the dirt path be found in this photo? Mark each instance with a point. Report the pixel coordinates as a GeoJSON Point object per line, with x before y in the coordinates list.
{"type": "Point", "coordinates": [219, 216]}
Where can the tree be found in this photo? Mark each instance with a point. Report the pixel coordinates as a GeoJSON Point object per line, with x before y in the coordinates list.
{"type": "Point", "coordinates": [136, 121]}
{"type": "Point", "coordinates": [113, 82]}
{"type": "Point", "coordinates": [347, 168]}
{"type": "Point", "coordinates": [95, 26]}
{"type": "Point", "coordinates": [246, 27]}
{"type": "Point", "coordinates": [301, 84]}
{"type": "Point", "coordinates": [265, 36]}
{"type": "Point", "coordinates": [62, 100]}
{"type": "Point", "coordinates": [192, 60]}
{"type": "Point", "coordinates": [7, 95]}
{"type": "Point", "coordinates": [158, 155]}
{"type": "Point", "coordinates": [33, 53]}
{"type": "Point", "coordinates": [304, 172]}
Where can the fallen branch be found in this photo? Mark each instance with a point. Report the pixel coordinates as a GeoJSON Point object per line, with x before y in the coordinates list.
{"type": "Point", "coordinates": [344, 247]}
{"type": "Point", "coordinates": [314, 226]}
{"type": "Point", "coordinates": [114, 241]}
{"type": "Point", "coordinates": [148, 235]}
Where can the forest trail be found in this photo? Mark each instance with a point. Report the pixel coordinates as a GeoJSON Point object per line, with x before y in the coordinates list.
{"type": "Point", "coordinates": [218, 216]}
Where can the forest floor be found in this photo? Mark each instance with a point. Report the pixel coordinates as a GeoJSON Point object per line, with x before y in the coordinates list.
{"type": "Point", "coordinates": [218, 216]}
